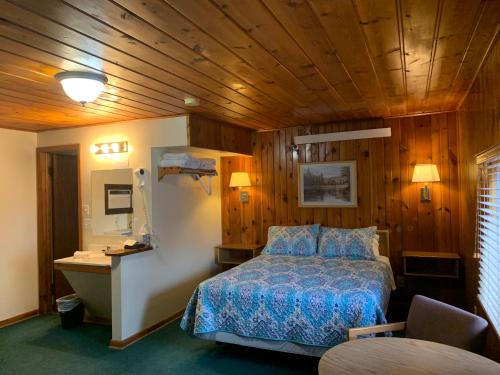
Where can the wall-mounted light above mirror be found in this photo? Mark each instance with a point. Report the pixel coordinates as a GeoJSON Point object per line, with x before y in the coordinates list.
{"type": "Point", "coordinates": [109, 148]}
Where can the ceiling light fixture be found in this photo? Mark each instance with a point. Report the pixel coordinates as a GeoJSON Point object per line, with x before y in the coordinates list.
{"type": "Point", "coordinates": [82, 87]}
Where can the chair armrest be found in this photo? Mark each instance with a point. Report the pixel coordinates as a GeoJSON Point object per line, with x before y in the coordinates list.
{"type": "Point", "coordinates": [353, 333]}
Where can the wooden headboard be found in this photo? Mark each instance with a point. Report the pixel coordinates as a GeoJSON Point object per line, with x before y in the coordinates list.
{"type": "Point", "coordinates": [383, 247]}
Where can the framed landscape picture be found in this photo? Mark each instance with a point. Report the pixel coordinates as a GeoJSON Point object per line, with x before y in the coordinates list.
{"type": "Point", "coordinates": [328, 184]}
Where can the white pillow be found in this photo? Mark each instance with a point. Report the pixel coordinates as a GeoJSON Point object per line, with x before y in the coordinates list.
{"type": "Point", "coordinates": [375, 245]}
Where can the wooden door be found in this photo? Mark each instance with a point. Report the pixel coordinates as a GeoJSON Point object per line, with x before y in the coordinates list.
{"type": "Point", "coordinates": [65, 222]}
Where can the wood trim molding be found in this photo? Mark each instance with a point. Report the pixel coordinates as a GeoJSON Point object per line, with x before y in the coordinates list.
{"type": "Point", "coordinates": [122, 344]}
{"type": "Point", "coordinates": [44, 228]}
{"type": "Point", "coordinates": [19, 318]}
{"type": "Point", "coordinates": [44, 219]}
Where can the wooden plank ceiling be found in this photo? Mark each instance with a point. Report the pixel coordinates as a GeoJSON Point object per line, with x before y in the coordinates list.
{"type": "Point", "coordinates": [259, 63]}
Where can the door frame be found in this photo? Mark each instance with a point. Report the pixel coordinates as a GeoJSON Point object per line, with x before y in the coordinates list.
{"type": "Point", "coordinates": [44, 220]}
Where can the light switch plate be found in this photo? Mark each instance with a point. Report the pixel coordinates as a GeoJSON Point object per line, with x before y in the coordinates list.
{"type": "Point", "coordinates": [244, 196]}
{"type": "Point", "coordinates": [86, 210]}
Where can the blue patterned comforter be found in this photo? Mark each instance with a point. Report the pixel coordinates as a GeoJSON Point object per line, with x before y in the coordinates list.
{"type": "Point", "coordinates": [306, 300]}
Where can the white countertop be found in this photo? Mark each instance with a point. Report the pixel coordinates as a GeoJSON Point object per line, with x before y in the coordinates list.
{"type": "Point", "coordinates": [99, 261]}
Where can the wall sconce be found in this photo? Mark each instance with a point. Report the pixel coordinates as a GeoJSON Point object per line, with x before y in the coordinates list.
{"type": "Point", "coordinates": [109, 148]}
{"type": "Point", "coordinates": [425, 173]}
{"type": "Point", "coordinates": [239, 180]}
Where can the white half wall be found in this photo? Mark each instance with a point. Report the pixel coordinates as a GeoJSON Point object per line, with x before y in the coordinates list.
{"type": "Point", "coordinates": [141, 136]}
{"type": "Point", "coordinates": [18, 264]}
{"type": "Point", "coordinates": [152, 286]}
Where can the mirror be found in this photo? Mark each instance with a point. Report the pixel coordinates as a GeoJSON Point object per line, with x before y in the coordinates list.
{"type": "Point", "coordinates": [112, 202]}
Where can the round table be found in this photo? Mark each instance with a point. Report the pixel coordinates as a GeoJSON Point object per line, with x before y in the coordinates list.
{"type": "Point", "coordinates": [390, 355]}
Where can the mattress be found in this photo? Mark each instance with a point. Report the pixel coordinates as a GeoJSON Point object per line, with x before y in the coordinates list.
{"type": "Point", "coordinates": [307, 301]}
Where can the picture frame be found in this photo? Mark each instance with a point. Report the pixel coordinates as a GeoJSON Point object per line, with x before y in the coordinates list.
{"type": "Point", "coordinates": [328, 184]}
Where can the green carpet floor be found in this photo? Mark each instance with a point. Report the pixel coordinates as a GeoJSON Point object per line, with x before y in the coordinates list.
{"type": "Point", "coordinates": [40, 346]}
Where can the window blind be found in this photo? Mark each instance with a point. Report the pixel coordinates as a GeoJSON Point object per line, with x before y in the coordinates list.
{"type": "Point", "coordinates": [488, 232]}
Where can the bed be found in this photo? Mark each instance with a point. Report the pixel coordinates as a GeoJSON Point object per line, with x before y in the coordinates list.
{"type": "Point", "coordinates": [297, 304]}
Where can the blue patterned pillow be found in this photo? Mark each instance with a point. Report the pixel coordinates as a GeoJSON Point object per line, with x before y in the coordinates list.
{"type": "Point", "coordinates": [352, 244]}
{"type": "Point", "coordinates": [300, 240]}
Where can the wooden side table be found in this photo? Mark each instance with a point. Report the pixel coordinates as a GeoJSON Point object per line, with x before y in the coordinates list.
{"type": "Point", "coordinates": [231, 254]}
{"type": "Point", "coordinates": [431, 264]}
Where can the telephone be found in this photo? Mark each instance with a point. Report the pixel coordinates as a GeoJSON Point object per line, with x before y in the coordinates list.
{"type": "Point", "coordinates": [133, 244]}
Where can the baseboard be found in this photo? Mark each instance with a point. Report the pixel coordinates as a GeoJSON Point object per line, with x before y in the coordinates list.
{"type": "Point", "coordinates": [18, 318]}
{"type": "Point", "coordinates": [122, 344]}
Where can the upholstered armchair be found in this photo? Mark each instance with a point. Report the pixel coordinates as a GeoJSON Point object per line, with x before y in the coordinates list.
{"type": "Point", "coordinates": [436, 321]}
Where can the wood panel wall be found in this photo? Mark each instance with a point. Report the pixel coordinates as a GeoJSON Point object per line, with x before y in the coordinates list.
{"type": "Point", "coordinates": [218, 135]}
{"type": "Point", "coordinates": [479, 129]}
{"type": "Point", "coordinates": [386, 196]}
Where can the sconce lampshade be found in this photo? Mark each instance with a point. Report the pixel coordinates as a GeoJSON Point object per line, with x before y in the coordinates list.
{"type": "Point", "coordinates": [239, 179]}
{"type": "Point", "coordinates": [425, 173]}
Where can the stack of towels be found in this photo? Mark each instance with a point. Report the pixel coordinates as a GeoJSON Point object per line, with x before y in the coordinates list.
{"type": "Point", "coordinates": [87, 254]}
{"type": "Point", "coordinates": [184, 160]}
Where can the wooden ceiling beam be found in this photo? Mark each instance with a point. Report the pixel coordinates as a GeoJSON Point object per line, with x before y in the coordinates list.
{"type": "Point", "coordinates": [378, 18]}
{"type": "Point", "coordinates": [419, 23]}
{"type": "Point", "coordinates": [304, 28]}
{"type": "Point", "coordinates": [24, 71]}
{"type": "Point", "coordinates": [339, 20]}
{"type": "Point", "coordinates": [483, 35]}
{"type": "Point", "coordinates": [44, 61]}
{"type": "Point", "coordinates": [240, 43]}
{"type": "Point", "coordinates": [457, 20]}
{"type": "Point", "coordinates": [260, 23]}
{"type": "Point", "coordinates": [47, 88]}
{"type": "Point", "coordinates": [146, 22]}
{"type": "Point", "coordinates": [263, 64]}
{"type": "Point", "coordinates": [32, 96]}
{"type": "Point", "coordinates": [20, 104]}
{"type": "Point", "coordinates": [139, 64]}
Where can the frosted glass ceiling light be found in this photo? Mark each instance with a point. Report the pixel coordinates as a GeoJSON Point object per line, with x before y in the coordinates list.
{"type": "Point", "coordinates": [82, 87]}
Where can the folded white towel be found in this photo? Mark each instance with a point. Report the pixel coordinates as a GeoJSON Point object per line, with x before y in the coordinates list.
{"type": "Point", "coordinates": [189, 163]}
{"type": "Point", "coordinates": [82, 254]}
{"type": "Point", "coordinates": [176, 156]}
{"type": "Point", "coordinates": [207, 163]}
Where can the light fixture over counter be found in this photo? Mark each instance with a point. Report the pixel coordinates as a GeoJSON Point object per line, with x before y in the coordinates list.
{"type": "Point", "coordinates": [82, 87]}
{"type": "Point", "coordinates": [109, 148]}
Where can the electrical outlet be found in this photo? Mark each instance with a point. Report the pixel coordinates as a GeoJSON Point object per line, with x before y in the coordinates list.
{"type": "Point", "coordinates": [400, 281]}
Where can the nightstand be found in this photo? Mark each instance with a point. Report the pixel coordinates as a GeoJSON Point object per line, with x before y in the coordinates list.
{"type": "Point", "coordinates": [231, 254]}
{"type": "Point", "coordinates": [431, 264]}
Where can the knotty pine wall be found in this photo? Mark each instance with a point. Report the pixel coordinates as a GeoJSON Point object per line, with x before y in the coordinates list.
{"type": "Point", "coordinates": [479, 129]}
{"type": "Point", "coordinates": [386, 196]}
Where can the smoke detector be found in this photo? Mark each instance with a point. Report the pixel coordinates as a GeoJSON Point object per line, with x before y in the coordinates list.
{"type": "Point", "coordinates": [192, 102]}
